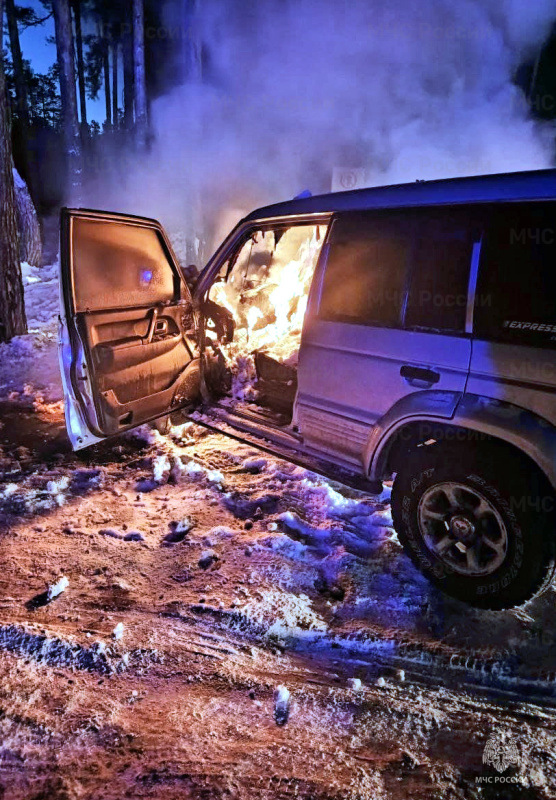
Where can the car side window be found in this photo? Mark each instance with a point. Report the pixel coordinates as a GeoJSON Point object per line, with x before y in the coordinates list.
{"type": "Point", "coordinates": [116, 264]}
{"type": "Point", "coordinates": [515, 301]}
{"type": "Point", "coordinates": [441, 261]}
{"type": "Point", "coordinates": [367, 267]}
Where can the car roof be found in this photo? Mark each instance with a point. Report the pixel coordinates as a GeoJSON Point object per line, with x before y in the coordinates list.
{"type": "Point", "coordinates": [506, 187]}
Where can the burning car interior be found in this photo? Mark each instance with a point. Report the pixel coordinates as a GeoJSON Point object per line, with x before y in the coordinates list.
{"type": "Point", "coordinates": [254, 318]}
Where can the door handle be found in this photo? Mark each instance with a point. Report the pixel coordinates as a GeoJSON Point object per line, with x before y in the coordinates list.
{"type": "Point", "coordinates": [152, 326]}
{"type": "Point", "coordinates": [419, 375]}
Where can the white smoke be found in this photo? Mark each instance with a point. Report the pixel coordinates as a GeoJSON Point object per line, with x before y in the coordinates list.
{"type": "Point", "coordinates": [411, 89]}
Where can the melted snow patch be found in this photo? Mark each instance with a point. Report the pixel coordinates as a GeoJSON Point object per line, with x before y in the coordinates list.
{"type": "Point", "coordinates": [161, 468]}
{"type": "Point", "coordinates": [21, 498]}
{"type": "Point", "coordinates": [37, 492]}
{"type": "Point", "coordinates": [285, 616]}
{"type": "Point", "coordinates": [290, 548]}
{"type": "Point", "coordinates": [57, 588]}
{"type": "Point", "coordinates": [294, 523]}
{"type": "Point", "coordinates": [41, 294]}
{"type": "Point", "coordinates": [221, 532]}
{"type": "Point", "coordinates": [194, 470]}
{"type": "Point", "coordinates": [144, 433]}
{"type": "Point", "coordinates": [255, 464]}
{"type": "Point", "coordinates": [172, 469]}
{"type": "Point", "coordinates": [183, 434]}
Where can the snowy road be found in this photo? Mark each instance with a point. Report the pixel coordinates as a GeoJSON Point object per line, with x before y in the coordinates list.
{"type": "Point", "coordinates": [233, 574]}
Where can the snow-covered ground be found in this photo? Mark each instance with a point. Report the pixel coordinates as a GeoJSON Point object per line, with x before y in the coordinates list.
{"type": "Point", "coordinates": [29, 364]}
{"type": "Point", "coordinates": [185, 617]}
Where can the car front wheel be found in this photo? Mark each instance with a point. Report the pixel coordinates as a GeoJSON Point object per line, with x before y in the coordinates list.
{"type": "Point", "coordinates": [478, 523]}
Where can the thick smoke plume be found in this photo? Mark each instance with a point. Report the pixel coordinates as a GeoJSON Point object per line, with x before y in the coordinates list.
{"type": "Point", "coordinates": [415, 89]}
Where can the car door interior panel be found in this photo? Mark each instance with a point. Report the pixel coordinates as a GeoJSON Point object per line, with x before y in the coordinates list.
{"type": "Point", "coordinates": [133, 316]}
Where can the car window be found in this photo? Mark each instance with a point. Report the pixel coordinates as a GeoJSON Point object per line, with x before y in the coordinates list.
{"type": "Point", "coordinates": [441, 260]}
{"type": "Point", "coordinates": [516, 292]}
{"type": "Point", "coordinates": [367, 268]}
{"type": "Point", "coordinates": [119, 265]}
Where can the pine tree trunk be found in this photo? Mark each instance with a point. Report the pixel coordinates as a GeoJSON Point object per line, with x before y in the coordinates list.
{"type": "Point", "coordinates": [115, 65]}
{"type": "Point", "coordinates": [127, 46]}
{"type": "Point", "coordinates": [12, 306]}
{"type": "Point", "coordinates": [76, 6]}
{"type": "Point", "coordinates": [66, 65]}
{"type": "Point", "coordinates": [106, 72]}
{"type": "Point", "coordinates": [141, 120]}
{"type": "Point", "coordinates": [30, 244]}
{"type": "Point", "coordinates": [23, 127]}
{"type": "Point", "coordinates": [17, 59]}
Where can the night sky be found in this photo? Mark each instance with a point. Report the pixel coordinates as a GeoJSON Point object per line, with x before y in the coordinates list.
{"type": "Point", "coordinates": [42, 54]}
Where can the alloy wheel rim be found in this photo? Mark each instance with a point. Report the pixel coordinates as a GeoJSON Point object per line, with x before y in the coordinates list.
{"type": "Point", "coordinates": [463, 529]}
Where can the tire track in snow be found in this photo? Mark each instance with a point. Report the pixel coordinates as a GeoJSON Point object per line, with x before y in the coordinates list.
{"type": "Point", "coordinates": [55, 652]}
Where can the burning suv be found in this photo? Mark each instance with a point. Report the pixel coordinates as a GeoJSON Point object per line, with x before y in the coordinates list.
{"type": "Point", "coordinates": [405, 331]}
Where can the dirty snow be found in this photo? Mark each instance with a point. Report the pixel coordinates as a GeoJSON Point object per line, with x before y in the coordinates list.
{"type": "Point", "coordinates": [57, 588]}
{"type": "Point", "coordinates": [29, 364]}
{"type": "Point", "coordinates": [228, 620]}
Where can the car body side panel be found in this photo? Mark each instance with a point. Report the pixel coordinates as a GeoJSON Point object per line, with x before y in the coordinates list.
{"type": "Point", "coordinates": [426, 407]}
{"type": "Point", "coordinates": [76, 424]}
{"type": "Point", "coordinates": [520, 427]}
{"type": "Point", "coordinates": [516, 374]}
{"type": "Point", "coordinates": [349, 378]}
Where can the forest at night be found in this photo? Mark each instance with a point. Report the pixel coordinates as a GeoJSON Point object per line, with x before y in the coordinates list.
{"type": "Point", "coordinates": [277, 379]}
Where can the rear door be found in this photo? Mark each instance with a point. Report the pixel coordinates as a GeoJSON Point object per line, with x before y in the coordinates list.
{"type": "Point", "coordinates": [127, 337]}
{"type": "Point", "coordinates": [387, 318]}
{"type": "Point", "coordinates": [514, 347]}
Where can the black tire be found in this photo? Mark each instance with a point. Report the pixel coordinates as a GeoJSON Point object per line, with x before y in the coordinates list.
{"type": "Point", "coordinates": [522, 519]}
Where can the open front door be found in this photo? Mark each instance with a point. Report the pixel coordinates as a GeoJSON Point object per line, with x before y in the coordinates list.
{"type": "Point", "coordinates": [127, 336]}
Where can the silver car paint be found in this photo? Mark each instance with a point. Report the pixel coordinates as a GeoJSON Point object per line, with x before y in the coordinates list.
{"type": "Point", "coordinates": [78, 431]}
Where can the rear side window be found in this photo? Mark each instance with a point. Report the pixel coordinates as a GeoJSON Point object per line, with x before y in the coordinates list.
{"type": "Point", "coordinates": [516, 296]}
{"type": "Point", "coordinates": [441, 260]}
{"type": "Point", "coordinates": [367, 269]}
{"type": "Point", "coordinates": [119, 265]}
{"type": "Point", "coordinates": [374, 257]}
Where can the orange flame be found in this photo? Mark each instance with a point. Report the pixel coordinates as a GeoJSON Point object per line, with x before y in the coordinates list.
{"type": "Point", "coordinates": [269, 299]}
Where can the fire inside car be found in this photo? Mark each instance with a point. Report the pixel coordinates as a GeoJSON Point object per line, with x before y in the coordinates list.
{"type": "Point", "coordinates": [255, 316]}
